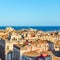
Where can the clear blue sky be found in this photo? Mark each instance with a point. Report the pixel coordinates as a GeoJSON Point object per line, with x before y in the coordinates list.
{"type": "Point", "coordinates": [30, 12]}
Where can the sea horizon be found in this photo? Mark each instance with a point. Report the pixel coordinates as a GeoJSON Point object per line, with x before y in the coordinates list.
{"type": "Point", "coordinates": [43, 28]}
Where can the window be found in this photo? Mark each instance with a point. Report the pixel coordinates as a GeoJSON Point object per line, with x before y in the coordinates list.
{"type": "Point", "coordinates": [25, 58]}
{"type": "Point", "coordinates": [7, 47]}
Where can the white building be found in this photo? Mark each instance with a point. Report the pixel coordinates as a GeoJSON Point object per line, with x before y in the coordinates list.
{"type": "Point", "coordinates": [6, 46]}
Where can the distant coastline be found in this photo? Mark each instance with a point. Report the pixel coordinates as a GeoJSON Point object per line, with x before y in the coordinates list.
{"type": "Point", "coordinates": [43, 28]}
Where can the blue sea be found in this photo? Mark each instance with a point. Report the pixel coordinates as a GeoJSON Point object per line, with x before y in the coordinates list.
{"type": "Point", "coordinates": [43, 28]}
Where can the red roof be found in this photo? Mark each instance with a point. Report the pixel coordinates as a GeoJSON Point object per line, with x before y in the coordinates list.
{"type": "Point", "coordinates": [45, 55]}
